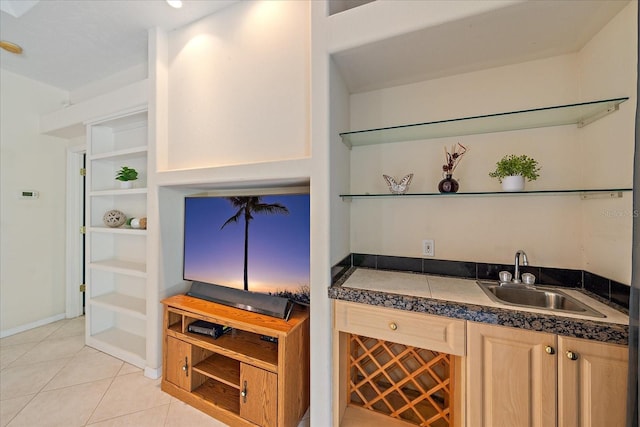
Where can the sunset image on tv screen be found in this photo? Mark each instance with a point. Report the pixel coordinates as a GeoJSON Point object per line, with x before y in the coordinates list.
{"type": "Point", "coordinates": [255, 243]}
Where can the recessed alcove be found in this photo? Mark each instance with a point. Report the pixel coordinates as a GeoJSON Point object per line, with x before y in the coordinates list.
{"type": "Point", "coordinates": [398, 80]}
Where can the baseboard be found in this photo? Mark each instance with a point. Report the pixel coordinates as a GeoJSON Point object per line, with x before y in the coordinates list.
{"type": "Point", "coordinates": [153, 373]}
{"type": "Point", "coordinates": [32, 325]}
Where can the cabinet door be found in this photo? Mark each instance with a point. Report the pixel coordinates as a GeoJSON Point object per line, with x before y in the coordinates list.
{"type": "Point", "coordinates": [592, 383]}
{"type": "Point", "coordinates": [511, 377]}
{"type": "Point", "coordinates": [179, 362]}
{"type": "Point", "coordinates": [258, 395]}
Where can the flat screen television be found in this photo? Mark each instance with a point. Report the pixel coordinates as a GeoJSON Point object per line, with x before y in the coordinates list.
{"type": "Point", "coordinates": [253, 244]}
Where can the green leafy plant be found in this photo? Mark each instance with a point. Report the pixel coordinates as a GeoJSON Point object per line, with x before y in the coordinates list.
{"type": "Point", "coordinates": [511, 165]}
{"type": "Point", "coordinates": [127, 174]}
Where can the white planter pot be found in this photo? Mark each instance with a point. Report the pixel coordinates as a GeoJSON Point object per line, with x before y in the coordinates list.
{"type": "Point", "coordinates": [513, 183]}
{"type": "Point", "coordinates": [126, 184]}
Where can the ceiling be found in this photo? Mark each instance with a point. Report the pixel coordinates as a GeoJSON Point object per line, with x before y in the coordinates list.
{"type": "Point", "coordinates": [70, 43]}
{"type": "Point", "coordinates": [520, 32]}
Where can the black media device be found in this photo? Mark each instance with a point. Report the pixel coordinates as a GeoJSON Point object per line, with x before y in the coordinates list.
{"type": "Point", "coordinates": [270, 305]}
{"type": "Point", "coordinates": [207, 328]}
{"type": "Point", "coordinates": [269, 339]}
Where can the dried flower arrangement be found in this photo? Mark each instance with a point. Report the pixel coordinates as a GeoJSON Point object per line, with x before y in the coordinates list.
{"type": "Point", "coordinates": [452, 158]}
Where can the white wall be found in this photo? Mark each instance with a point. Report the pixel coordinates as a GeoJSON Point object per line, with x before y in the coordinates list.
{"type": "Point", "coordinates": [239, 87]}
{"type": "Point", "coordinates": [340, 172]}
{"type": "Point", "coordinates": [608, 157]}
{"type": "Point", "coordinates": [482, 229]}
{"type": "Point", "coordinates": [32, 270]}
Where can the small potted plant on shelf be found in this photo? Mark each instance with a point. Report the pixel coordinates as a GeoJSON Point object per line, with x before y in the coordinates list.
{"type": "Point", "coordinates": [126, 176]}
{"type": "Point", "coordinates": [512, 170]}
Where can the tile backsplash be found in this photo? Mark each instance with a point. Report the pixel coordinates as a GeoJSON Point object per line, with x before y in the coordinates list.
{"type": "Point", "coordinates": [608, 290]}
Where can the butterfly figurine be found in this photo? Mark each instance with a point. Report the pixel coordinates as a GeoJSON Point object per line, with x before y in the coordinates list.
{"type": "Point", "coordinates": [398, 187]}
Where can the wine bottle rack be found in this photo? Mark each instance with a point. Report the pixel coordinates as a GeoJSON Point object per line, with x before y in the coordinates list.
{"type": "Point", "coordinates": [400, 381]}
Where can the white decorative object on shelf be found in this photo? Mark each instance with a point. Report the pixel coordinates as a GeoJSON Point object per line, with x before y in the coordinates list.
{"type": "Point", "coordinates": [138, 223]}
{"type": "Point", "coordinates": [513, 183]}
{"type": "Point", "coordinates": [398, 187]}
{"type": "Point", "coordinates": [114, 218]}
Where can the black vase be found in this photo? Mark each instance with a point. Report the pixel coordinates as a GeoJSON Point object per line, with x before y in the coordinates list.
{"type": "Point", "coordinates": [448, 185]}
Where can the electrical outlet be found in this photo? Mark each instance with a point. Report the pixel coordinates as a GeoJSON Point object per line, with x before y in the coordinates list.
{"type": "Point", "coordinates": [428, 248]}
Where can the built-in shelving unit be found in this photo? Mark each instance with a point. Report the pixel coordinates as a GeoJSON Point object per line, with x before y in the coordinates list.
{"type": "Point", "coordinates": [608, 193]}
{"type": "Point", "coordinates": [116, 257]}
{"type": "Point", "coordinates": [580, 114]}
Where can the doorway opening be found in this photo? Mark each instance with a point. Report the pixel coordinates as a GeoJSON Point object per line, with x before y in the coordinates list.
{"type": "Point", "coordinates": [75, 269]}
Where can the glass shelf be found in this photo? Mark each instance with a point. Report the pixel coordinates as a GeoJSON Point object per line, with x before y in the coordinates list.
{"type": "Point", "coordinates": [608, 193]}
{"type": "Point", "coordinates": [581, 114]}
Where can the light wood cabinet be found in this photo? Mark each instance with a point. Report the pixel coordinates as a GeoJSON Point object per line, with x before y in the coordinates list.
{"type": "Point", "coordinates": [519, 378]}
{"type": "Point", "coordinates": [592, 383]}
{"type": "Point", "coordinates": [438, 333]}
{"type": "Point", "coordinates": [240, 378]}
{"type": "Point", "coordinates": [511, 377]}
{"type": "Point", "coordinates": [178, 370]}
{"type": "Point", "coordinates": [258, 395]}
{"type": "Point", "coordinates": [396, 367]}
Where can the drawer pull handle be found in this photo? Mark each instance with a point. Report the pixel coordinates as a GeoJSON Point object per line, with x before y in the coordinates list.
{"type": "Point", "coordinates": [243, 393]}
{"type": "Point", "coordinates": [185, 367]}
{"type": "Point", "coordinates": [393, 326]}
{"type": "Point", "coordinates": [572, 356]}
{"type": "Point", "coordinates": [549, 350]}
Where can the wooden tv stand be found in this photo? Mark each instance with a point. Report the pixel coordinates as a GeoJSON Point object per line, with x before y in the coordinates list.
{"type": "Point", "coordinates": [238, 378]}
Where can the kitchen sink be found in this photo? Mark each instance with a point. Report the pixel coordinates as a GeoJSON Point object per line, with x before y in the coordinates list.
{"type": "Point", "coordinates": [543, 297]}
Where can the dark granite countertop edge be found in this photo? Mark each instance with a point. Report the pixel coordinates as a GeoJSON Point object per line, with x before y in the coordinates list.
{"type": "Point", "coordinates": [566, 326]}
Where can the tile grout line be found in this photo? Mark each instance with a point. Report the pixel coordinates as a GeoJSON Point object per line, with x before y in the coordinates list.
{"type": "Point", "coordinates": [113, 378]}
{"type": "Point", "coordinates": [22, 409]}
{"type": "Point", "coordinates": [37, 393]}
{"type": "Point", "coordinates": [120, 415]}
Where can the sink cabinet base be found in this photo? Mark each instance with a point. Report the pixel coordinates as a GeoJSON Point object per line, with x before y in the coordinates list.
{"type": "Point", "coordinates": [397, 368]}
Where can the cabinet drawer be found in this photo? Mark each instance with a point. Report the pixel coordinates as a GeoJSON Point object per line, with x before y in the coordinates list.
{"type": "Point", "coordinates": [416, 329]}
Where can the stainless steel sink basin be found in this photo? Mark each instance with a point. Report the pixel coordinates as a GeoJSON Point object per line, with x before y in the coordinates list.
{"type": "Point", "coordinates": [536, 297]}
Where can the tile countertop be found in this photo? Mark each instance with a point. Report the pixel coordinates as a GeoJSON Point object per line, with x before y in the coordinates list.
{"type": "Point", "coordinates": [463, 299]}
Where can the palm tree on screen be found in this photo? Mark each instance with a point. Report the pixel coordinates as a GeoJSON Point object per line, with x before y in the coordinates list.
{"type": "Point", "coordinates": [247, 206]}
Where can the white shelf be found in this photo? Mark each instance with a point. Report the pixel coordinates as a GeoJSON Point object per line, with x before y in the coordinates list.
{"type": "Point", "coordinates": [119, 230]}
{"type": "Point", "coordinates": [126, 304]}
{"type": "Point", "coordinates": [121, 344]}
{"type": "Point", "coordinates": [119, 155]}
{"type": "Point", "coordinates": [137, 269]}
{"type": "Point", "coordinates": [279, 173]}
{"type": "Point", "coordinates": [118, 192]}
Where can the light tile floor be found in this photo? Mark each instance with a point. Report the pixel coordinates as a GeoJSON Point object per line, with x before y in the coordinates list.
{"type": "Point", "coordinates": [49, 378]}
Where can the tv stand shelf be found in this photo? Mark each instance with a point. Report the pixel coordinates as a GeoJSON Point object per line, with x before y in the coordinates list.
{"type": "Point", "coordinates": [238, 378]}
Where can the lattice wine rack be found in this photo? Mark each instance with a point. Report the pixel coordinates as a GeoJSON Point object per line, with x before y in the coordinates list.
{"type": "Point", "coordinates": [404, 382]}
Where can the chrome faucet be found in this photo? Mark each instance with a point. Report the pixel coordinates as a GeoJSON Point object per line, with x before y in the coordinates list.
{"type": "Point", "coordinates": [516, 273]}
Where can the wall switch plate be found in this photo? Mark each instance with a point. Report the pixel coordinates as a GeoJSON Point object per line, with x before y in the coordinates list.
{"type": "Point", "coordinates": [28, 194]}
{"type": "Point", "coordinates": [428, 248]}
